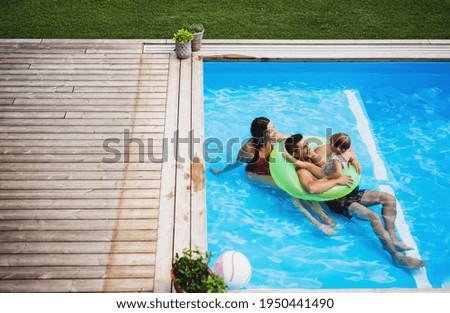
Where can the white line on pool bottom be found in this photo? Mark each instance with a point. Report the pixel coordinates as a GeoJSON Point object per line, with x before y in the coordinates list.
{"type": "Point", "coordinates": [420, 275]}
{"type": "Point", "coordinates": [362, 124]}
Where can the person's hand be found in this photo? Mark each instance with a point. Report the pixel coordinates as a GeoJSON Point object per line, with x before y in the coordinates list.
{"type": "Point", "coordinates": [289, 157]}
{"type": "Point", "coordinates": [356, 164]}
{"type": "Point", "coordinates": [345, 180]}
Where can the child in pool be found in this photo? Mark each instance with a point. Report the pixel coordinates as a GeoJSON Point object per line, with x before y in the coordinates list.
{"type": "Point", "coordinates": [340, 144]}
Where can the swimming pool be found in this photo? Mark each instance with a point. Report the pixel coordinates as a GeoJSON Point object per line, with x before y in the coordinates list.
{"type": "Point", "coordinates": [406, 108]}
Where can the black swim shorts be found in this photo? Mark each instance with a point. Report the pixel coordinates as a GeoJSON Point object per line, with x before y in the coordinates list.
{"type": "Point", "coordinates": [340, 206]}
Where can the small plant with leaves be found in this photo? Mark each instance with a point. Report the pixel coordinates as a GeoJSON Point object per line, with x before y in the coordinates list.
{"type": "Point", "coordinates": [192, 273]}
{"type": "Point", "coordinates": [194, 28]}
{"type": "Point", "coordinates": [183, 36]}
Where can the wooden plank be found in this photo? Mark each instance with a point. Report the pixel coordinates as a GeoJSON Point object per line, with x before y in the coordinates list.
{"type": "Point", "coordinates": [91, 158]}
{"type": "Point", "coordinates": [11, 194]}
{"type": "Point", "coordinates": [182, 231]}
{"type": "Point", "coordinates": [83, 83]}
{"type": "Point", "coordinates": [74, 272]}
{"type": "Point", "coordinates": [75, 259]}
{"type": "Point", "coordinates": [155, 142]}
{"type": "Point", "coordinates": [14, 42]}
{"type": "Point", "coordinates": [99, 137]}
{"type": "Point", "coordinates": [78, 203]}
{"type": "Point", "coordinates": [164, 252]}
{"type": "Point", "coordinates": [133, 154]}
{"type": "Point", "coordinates": [39, 50]}
{"type": "Point", "coordinates": [148, 57]}
{"type": "Point", "coordinates": [103, 104]}
{"type": "Point", "coordinates": [97, 89]}
{"type": "Point", "coordinates": [123, 50]}
{"type": "Point", "coordinates": [80, 184]}
{"type": "Point", "coordinates": [84, 74]}
{"type": "Point", "coordinates": [135, 43]}
{"type": "Point", "coordinates": [77, 235]}
{"type": "Point", "coordinates": [14, 66]}
{"type": "Point", "coordinates": [77, 285]}
{"type": "Point", "coordinates": [27, 89]}
{"type": "Point", "coordinates": [114, 115]}
{"type": "Point", "coordinates": [7, 101]}
{"type": "Point", "coordinates": [78, 129]}
{"type": "Point", "coordinates": [152, 63]}
{"type": "Point", "coordinates": [37, 115]}
{"type": "Point", "coordinates": [92, 103]}
{"type": "Point", "coordinates": [80, 122]}
{"type": "Point", "coordinates": [105, 108]}
{"type": "Point", "coordinates": [91, 95]}
{"type": "Point", "coordinates": [134, 175]}
{"type": "Point", "coordinates": [64, 44]}
{"type": "Point", "coordinates": [86, 214]}
{"type": "Point", "coordinates": [94, 66]}
{"type": "Point", "coordinates": [76, 247]}
{"type": "Point", "coordinates": [83, 225]}
{"type": "Point", "coordinates": [57, 167]}
{"type": "Point", "coordinates": [198, 191]}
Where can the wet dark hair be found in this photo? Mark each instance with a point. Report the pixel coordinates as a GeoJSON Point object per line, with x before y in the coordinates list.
{"type": "Point", "coordinates": [258, 130]}
{"type": "Point", "coordinates": [291, 143]}
{"type": "Point", "coordinates": [341, 140]}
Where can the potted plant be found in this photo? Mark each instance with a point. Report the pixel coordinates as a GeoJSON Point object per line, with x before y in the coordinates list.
{"type": "Point", "coordinates": [183, 38]}
{"type": "Point", "coordinates": [190, 273]}
{"type": "Point", "coordinates": [197, 30]}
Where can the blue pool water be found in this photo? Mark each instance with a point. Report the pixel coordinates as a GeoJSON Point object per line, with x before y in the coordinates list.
{"type": "Point", "coordinates": [407, 105]}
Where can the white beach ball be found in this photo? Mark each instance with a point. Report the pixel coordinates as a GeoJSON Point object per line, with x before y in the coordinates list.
{"type": "Point", "coordinates": [235, 269]}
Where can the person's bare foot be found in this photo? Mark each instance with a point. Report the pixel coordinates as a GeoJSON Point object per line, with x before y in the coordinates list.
{"type": "Point", "coordinates": [402, 260]}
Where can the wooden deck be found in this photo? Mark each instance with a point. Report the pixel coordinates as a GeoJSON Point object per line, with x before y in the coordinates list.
{"type": "Point", "coordinates": [69, 221]}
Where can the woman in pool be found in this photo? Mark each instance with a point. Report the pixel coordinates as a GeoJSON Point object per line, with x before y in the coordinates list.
{"type": "Point", "coordinates": [256, 153]}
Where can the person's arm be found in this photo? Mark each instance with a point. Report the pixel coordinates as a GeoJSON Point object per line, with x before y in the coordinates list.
{"type": "Point", "coordinates": [324, 228]}
{"type": "Point", "coordinates": [279, 136]}
{"type": "Point", "coordinates": [317, 209]}
{"type": "Point", "coordinates": [354, 161]}
{"type": "Point", "coordinates": [314, 169]}
{"type": "Point", "coordinates": [243, 157]}
{"type": "Point", "coordinates": [315, 186]}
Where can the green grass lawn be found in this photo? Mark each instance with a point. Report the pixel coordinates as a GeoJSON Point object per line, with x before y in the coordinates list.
{"type": "Point", "coordinates": [227, 19]}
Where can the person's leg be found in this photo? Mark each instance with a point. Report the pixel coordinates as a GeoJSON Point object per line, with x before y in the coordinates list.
{"type": "Point", "coordinates": [324, 228]}
{"type": "Point", "coordinates": [360, 211]}
{"type": "Point", "coordinates": [388, 211]}
{"type": "Point", "coordinates": [317, 208]}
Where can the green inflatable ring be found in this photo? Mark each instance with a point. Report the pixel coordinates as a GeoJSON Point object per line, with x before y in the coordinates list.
{"type": "Point", "coordinates": [285, 176]}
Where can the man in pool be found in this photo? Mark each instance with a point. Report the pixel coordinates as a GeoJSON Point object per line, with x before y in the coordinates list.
{"type": "Point", "coordinates": [355, 204]}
